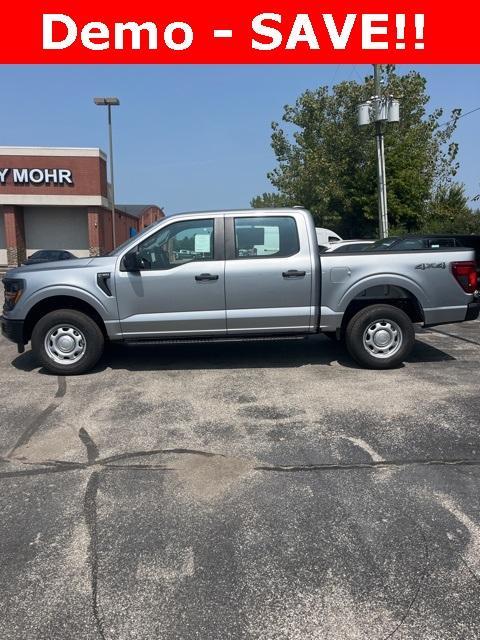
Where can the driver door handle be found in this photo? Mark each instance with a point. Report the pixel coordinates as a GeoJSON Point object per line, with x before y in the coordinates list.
{"type": "Point", "coordinates": [293, 273]}
{"type": "Point", "coordinates": [205, 276]}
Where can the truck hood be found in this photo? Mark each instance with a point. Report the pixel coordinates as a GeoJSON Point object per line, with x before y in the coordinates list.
{"type": "Point", "coordinates": [62, 265]}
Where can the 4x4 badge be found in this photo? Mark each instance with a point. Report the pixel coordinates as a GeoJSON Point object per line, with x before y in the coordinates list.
{"type": "Point", "coordinates": [431, 265]}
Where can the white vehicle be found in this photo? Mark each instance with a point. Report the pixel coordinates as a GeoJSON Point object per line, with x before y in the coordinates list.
{"type": "Point", "coordinates": [348, 246]}
{"type": "Point", "coordinates": [326, 236]}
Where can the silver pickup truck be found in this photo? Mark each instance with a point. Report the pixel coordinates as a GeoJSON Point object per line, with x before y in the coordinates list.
{"type": "Point", "coordinates": [235, 275]}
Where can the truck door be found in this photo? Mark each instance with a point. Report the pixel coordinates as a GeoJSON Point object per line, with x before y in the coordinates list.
{"type": "Point", "coordinates": [268, 274]}
{"type": "Point", "coordinates": [180, 287]}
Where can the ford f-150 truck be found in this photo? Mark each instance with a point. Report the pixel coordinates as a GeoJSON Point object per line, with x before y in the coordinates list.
{"type": "Point", "coordinates": [235, 275]}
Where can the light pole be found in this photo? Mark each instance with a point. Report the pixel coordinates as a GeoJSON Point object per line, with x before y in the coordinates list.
{"type": "Point", "coordinates": [109, 103]}
{"type": "Point", "coordinates": [380, 110]}
{"type": "Point", "coordinates": [380, 140]}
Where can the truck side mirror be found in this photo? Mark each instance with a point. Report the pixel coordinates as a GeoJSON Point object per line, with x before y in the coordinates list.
{"type": "Point", "coordinates": [131, 262]}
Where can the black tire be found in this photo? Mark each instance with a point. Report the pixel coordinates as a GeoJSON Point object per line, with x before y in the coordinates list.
{"type": "Point", "coordinates": [91, 341]}
{"type": "Point", "coordinates": [382, 322]}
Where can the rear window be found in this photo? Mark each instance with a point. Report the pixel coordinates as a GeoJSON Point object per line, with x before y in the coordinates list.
{"type": "Point", "coordinates": [409, 244]}
{"type": "Point", "coordinates": [440, 243]}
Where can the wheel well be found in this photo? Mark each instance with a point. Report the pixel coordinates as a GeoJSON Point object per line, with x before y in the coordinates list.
{"type": "Point", "coordinates": [59, 302]}
{"type": "Point", "coordinates": [393, 295]}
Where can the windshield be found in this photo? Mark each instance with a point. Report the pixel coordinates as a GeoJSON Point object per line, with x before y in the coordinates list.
{"type": "Point", "coordinates": [122, 246]}
{"type": "Point", "coordinates": [43, 254]}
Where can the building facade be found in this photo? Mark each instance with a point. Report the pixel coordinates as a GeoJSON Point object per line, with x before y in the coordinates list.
{"type": "Point", "coordinates": [58, 198]}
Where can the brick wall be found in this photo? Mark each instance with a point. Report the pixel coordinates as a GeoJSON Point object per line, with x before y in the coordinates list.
{"type": "Point", "coordinates": [100, 229]}
{"type": "Point", "coordinates": [14, 234]}
{"type": "Point", "coordinates": [150, 215]}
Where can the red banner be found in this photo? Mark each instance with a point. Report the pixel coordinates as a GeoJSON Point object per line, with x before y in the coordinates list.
{"type": "Point", "coordinates": [252, 31]}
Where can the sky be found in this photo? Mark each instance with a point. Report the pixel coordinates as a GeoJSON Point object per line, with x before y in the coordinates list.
{"type": "Point", "coordinates": [196, 137]}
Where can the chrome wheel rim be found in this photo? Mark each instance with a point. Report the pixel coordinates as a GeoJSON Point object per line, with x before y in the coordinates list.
{"type": "Point", "coordinates": [382, 338]}
{"type": "Point", "coordinates": [65, 344]}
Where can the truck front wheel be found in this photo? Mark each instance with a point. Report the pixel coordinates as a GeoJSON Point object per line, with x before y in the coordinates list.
{"type": "Point", "coordinates": [67, 342]}
{"type": "Point", "coordinates": [380, 336]}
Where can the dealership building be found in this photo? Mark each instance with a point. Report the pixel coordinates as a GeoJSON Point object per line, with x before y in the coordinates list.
{"type": "Point", "coordinates": [58, 198]}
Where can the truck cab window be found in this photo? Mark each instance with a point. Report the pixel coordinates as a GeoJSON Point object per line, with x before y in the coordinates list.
{"type": "Point", "coordinates": [266, 237]}
{"type": "Point", "coordinates": [177, 244]}
{"type": "Point", "coordinates": [410, 244]}
{"type": "Point", "coordinates": [440, 243]}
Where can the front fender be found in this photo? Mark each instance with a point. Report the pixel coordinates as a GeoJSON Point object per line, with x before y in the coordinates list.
{"type": "Point", "coordinates": [50, 291]}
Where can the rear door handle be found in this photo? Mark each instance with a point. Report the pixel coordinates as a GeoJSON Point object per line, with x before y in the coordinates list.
{"type": "Point", "coordinates": [205, 276]}
{"type": "Point", "coordinates": [293, 273]}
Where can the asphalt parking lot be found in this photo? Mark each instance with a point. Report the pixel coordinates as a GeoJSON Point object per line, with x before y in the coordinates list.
{"type": "Point", "coordinates": [269, 490]}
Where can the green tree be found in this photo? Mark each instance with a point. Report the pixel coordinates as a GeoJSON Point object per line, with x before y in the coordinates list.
{"type": "Point", "coordinates": [270, 200]}
{"type": "Point", "coordinates": [327, 163]}
{"type": "Point", "coordinates": [449, 212]}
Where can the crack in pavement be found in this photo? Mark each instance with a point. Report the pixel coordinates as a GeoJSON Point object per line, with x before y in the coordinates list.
{"type": "Point", "coordinates": [91, 447]}
{"type": "Point", "coordinates": [54, 466]}
{"type": "Point", "coordinates": [62, 387]}
{"type": "Point", "coordinates": [37, 472]}
{"type": "Point", "coordinates": [34, 425]}
{"type": "Point", "coordinates": [375, 464]}
{"type": "Point", "coordinates": [90, 514]}
{"type": "Point", "coordinates": [151, 452]}
{"type": "Point", "coordinates": [142, 467]}
{"type": "Point", "coordinates": [419, 585]}
{"type": "Point", "coordinates": [465, 564]}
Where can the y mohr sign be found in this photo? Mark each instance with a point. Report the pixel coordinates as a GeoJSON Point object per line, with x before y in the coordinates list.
{"type": "Point", "coordinates": [35, 176]}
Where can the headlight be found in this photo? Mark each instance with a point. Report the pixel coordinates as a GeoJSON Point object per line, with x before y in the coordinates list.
{"type": "Point", "coordinates": [13, 292]}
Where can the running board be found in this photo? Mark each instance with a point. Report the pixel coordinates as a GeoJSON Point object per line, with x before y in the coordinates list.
{"type": "Point", "coordinates": [137, 341]}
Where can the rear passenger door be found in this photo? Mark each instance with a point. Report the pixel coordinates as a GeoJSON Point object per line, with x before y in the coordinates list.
{"type": "Point", "coordinates": [268, 274]}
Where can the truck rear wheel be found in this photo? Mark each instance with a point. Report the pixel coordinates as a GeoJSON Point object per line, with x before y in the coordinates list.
{"type": "Point", "coordinates": [67, 342]}
{"type": "Point", "coordinates": [380, 336]}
